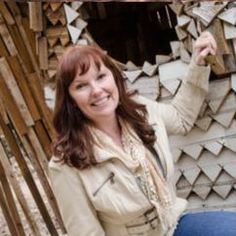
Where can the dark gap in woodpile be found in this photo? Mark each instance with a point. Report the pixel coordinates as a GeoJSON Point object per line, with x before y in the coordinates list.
{"type": "Point", "coordinates": [135, 32]}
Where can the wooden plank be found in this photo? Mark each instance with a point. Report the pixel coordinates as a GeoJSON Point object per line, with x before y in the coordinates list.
{"type": "Point", "coordinates": [3, 112]}
{"type": "Point", "coordinates": [207, 13]}
{"type": "Point", "coordinates": [233, 81]}
{"type": "Point", "coordinates": [39, 97]}
{"type": "Point", "coordinates": [176, 154]}
{"type": "Point", "coordinates": [191, 28]}
{"type": "Point", "coordinates": [10, 81]}
{"type": "Point", "coordinates": [12, 5]}
{"type": "Point", "coordinates": [53, 34]}
{"type": "Point", "coordinates": [22, 53]}
{"type": "Point", "coordinates": [230, 63]}
{"type": "Point", "coordinates": [36, 16]}
{"type": "Point", "coordinates": [80, 23]}
{"type": "Point", "coordinates": [176, 8]}
{"type": "Point", "coordinates": [222, 190]}
{"type": "Point", "coordinates": [181, 33]}
{"type": "Point", "coordinates": [43, 53]}
{"type": "Point", "coordinates": [184, 54]}
{"type": "Point", "coordinates": [6, 14]}
{"type": "Point", "coordinates": [76, 5]}
{"type": "Point", "coordinates": [230, 143]}
{"type": "Point", "coordinates": [31, 35]}
{"type": "Point", "coordinates": [31, 135]}
{"type": "Point", "coordinates": [183, 20]}
{"type": "Point", "coordinates": [12, 177]}
{"type": "Point", "coordinates": [166, 70]}
{"type": "Point", "coordinates": [211, 171]}
{"type": "Point", "coordinates": [192, 174]}
{"type": "Point", "coordinates": [133, 75]}
{"type": "Point", "coordinates": [64, 37]}
{"type": "Point", "coordinates": [214, 147]}
{"type": "Point", "coordinates": [55, 6]}
{"type": "Point", "coordinates": [26, 41]}
{"type": "Point", "coordinates": [24, 87]}
{"type": "Point", "coordinates": [6, 213]}
{"type": "Point", "coordinates": [10, 200]}
{"type": "Point", "coordinates": [230, 31]}
{"type": "Point", "coordinates": [215, 132]}
{"type": "Point", "coordinates": [43, 178]}
{"type": "Point", "coordinates": [53, 16]}
{"type": "Point", "coordinates": [193, 151]}
{"type": "Point", "coordinates": [7, 39]}
{"type": "Point", "coordinates": [202, 191]}
{"type": "Point", "coordinates": [74, 33]}
{"type": "Point", "coordinates": [217, 31]}
{"type": "Point", "coordinates": [149, 69]}
{"type": "Point", "coordinates": [217, 93]}
{"type": "Point", "coordinates": [175, 48]}
{"type": "Point", "coordinates": [12, 108]}
{"type": "Point", "coordinates": [204, 123]}
{"type": "Point", "coordinates": [161, 59]}
{"type": "Point", "coordinates": [147, 86]}
{"type": "Point", "coordinates": [3, 49]}
{"type": "Point", "coordinates": [234, 45]}
{"type": "Point", "coordinates": [188, 43]}
{"type": "Point", "coordinates": [28, 177]}
{"type": "Point", "coordinates": [225, 119]}
{"type": "Point", "coordinates": [71, 14]}
{"type": "Point", "coordinates": [172, 86]}
{"type": "Point", "coordinates": [229, 16]}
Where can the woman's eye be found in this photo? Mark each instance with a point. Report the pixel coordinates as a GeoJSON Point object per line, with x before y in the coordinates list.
{"type": "Point", "coordinates": [101, 76]}
{"type": "Point", "coordinates": [80, 86]}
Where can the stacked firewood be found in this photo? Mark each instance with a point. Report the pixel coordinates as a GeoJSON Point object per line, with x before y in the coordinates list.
{"type": "Point", "coordinates": [30, 47]}
{"type": "Point", "coordinates": [25, 124]}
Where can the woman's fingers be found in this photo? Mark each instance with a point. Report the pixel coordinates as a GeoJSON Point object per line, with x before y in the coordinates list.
{"type": "Point", "coordinates": [204, 45]}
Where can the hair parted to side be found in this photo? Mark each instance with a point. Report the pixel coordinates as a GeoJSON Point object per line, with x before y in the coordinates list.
{"type": "Point", "coordinates": [74, 143]}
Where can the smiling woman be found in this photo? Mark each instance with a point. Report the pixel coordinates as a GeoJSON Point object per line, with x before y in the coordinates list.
{"type": "Point", "coordinates": [112, 169]}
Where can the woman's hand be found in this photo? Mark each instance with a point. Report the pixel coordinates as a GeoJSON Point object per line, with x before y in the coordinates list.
{"type": "Point", "coordinates": [205, 45]}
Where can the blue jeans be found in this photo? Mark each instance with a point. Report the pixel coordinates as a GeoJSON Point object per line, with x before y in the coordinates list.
{"type": "Point", "coordinates": [212, 223]}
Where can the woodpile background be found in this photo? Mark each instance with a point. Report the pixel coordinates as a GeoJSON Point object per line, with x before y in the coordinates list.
{"type": "Point", "coordinates": [34, 35]}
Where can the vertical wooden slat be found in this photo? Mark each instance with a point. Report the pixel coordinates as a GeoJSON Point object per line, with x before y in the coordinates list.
{"type": "Point", "coordinates": [43, 53]}
{"type": "Point", "coordinates": [21, 79]}
{"type": "Point", "coordinates": [46, 114]}
{"type": "Point", "coordinates": [6, 14]}
{"type": "Point", "coordinates": [12, 108]}
{"type": "Point", "coordinates": [9, 79]}
{"type": "Point", "coordinates": [10, 200]}
{"type": "Point", "coordinates": [19, 194]}
{"type": "Point", "coordinates": [28, 177]}
{"type": "Point", "coordinates": [7, 214]}
{"type": "Point", "coordinates": [43, 137]}
{"type": "Point", "coordinates": [42, 178]}
{"type": "Point", "coordinates": [35, 16]}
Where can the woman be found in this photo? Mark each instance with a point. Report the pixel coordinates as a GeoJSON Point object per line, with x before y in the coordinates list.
{"type": "Point", "coordinates": [112, 167]}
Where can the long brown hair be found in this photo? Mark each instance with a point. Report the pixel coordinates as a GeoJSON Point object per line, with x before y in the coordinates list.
{"type": "Point", "coordinates": [74, 143]}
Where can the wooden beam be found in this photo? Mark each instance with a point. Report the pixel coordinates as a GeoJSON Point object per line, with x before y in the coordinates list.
{"type": "Point", "coordinates": [36, 16]}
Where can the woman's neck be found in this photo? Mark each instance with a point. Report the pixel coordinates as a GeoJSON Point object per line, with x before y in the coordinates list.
{"type": "Point", "coordinates": [112, 128]}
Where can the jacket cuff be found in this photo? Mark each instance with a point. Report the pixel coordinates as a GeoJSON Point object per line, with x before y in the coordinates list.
{"type": "Point", "coordinates": [198, 76]}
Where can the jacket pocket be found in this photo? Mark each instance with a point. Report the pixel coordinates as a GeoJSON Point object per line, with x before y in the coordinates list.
{"type": "Point", "coordinates": [110, 178]}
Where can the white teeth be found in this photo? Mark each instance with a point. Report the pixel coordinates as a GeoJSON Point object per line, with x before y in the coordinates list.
{"type": "Point", "coordinates": [100, 101]}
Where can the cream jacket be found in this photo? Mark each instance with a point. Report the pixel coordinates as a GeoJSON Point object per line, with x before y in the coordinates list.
{"type": "Point", "coordinates": [104, 199]}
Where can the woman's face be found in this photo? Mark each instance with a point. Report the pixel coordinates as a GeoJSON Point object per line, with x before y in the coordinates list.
{"type": "Point", "coordinates": [95, 93]}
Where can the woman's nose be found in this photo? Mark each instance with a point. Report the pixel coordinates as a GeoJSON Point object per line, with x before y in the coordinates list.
{"type": "Point", "coordinates": [96, 89]}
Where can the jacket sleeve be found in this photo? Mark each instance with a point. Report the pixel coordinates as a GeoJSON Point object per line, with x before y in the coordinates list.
{"type": "Point", "coordinates": [179, 115]}
{"type": "Point", "coordinates": [77, 212]}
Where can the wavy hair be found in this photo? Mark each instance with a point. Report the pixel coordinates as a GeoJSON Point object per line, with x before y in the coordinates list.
{"type": "Point", "coordinates": [74, 142]}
